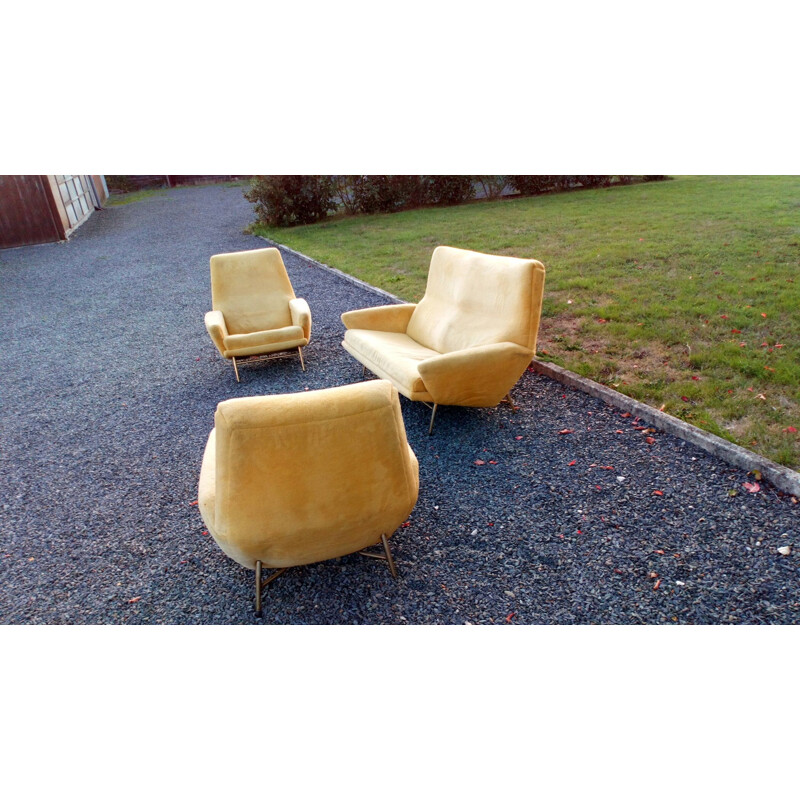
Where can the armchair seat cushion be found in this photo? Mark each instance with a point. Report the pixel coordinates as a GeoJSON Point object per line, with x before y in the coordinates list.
{"type": "Point", "coordinates": [246, 344]}
{"type": "Point", "coordinates": [393, 356]}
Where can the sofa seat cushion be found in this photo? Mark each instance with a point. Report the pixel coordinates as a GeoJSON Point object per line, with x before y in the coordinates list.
{"type": "Point", "coordinates": [393, 356]}
{"type": "Point", "coordinates": [248, 344]}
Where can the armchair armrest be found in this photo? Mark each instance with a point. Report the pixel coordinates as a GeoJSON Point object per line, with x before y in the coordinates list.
{"type": "Point", "coordinates": [391, 319]}
{"type": "Point", "coordinates": [301, 315]}
{"type": "Point", "coordinates": [217, 330]}
{"type": "Point", "coordinates": [477, 376]}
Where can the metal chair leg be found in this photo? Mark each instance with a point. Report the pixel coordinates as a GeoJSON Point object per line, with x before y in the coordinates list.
{"type": "Point", "coordinates": [302, 363]}
{"type": "Point", "coordinates": [389, 558]}
{"type": "Point", "coordinates": [433, 416]}
{"type": "Point", "coordinates": [235, 369]}
{"type": "Point", "coordinates": [261, 584]}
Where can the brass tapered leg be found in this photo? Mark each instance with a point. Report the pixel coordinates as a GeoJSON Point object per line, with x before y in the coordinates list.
{"type": "Point", "coordinates": [258, 588]}
{"type": "Point", "coordinates": [235, 369]}
{"type": "Point", "coordinates": [433, 416]}
{"type": "Point", "coordinates": [389, 558]}
{"type": "Point", "coordinates": [302, 363]}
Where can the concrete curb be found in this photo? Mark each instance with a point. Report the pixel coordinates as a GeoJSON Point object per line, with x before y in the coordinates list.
{"type": "Point", "coordinates": [783, 478]}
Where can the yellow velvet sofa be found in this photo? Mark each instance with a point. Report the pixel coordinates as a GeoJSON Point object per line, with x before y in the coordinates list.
{"type": "Point", "coordinates": [299, 478]}
{"type": "Point", "coordinates": [255, 312]}
{"type": "Point", "coordinates": [469, 339]}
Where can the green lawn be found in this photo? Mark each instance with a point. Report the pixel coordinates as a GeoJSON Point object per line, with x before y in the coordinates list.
{"type": "Point", "coordinates": [683, 293]}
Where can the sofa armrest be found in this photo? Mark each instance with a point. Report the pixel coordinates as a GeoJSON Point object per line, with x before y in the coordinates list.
{"type": "Point", "coordinates": [391, 319]}
{"type": "Point", "coordinates": [217, 330]}
{"type": "Point", "coordinates": [301, 315]}
{"type": "Point", "coordinates": [478, 376]}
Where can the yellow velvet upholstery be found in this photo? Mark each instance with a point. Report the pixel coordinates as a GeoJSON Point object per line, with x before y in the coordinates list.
{"type": "Point", "coordinates": [254, 307]}
{"type": "Point", "coordinates": [469, 339]}
{"type": "Point", "coordinates": [298, 478]}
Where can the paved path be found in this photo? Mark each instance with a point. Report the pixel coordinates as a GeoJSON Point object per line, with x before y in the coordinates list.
{"type": "Point", "coordinates": [109, 385]}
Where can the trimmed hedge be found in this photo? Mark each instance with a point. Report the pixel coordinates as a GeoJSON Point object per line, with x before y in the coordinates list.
{"type": "Point", "coordinates": [285, 200]}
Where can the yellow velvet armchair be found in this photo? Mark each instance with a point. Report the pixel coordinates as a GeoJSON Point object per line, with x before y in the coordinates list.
{"type": "Point", "coordinates": [299, 478]}
{"type": "Point", "coordinates": [255, 312]}
{"type": "Point", "coordinates": [469, 339]}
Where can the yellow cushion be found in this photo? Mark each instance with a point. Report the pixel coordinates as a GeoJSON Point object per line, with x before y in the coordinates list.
{"type": "Point", "coordinates": [243, 344]}
{"type": "Point", "coordinates": [251, 289]}
{"type": "Point", "coordinates": [394, 356]}
{"type": "Point", "coordinates": [294, 479]}
{"type": "Point", "coordinates": [475, 299]}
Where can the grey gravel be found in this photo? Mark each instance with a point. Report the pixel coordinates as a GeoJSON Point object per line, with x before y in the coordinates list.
{"type": "Point", "coordinates": [109, 388]}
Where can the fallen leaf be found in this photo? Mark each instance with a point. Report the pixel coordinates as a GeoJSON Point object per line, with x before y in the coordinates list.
{"type": "Point", "coordinates": [566, 430]}
{"type": "Point", "coordinates": [652, 575]}
{"type": "Point", "coordinates": [657, 584]}
{"type": "Point", "coordinates": [752, 487]}
{"type": "Point", "coordinates": [764, 315]}
{"type": "Point", "coordinates": [405, 525]}
{"type": "Point", "coordinates": [659, 492]}
{"type": "Point", "coordinates": [492, 462]}
{"type": "Point", "coordinates": [650, 440]}
{"type": "Point", "coordinates": [732, 492]}
{"type": "Point", "coordinates": [684, 398]}
{"type": "Point", "coordinates": [626, 414]}
{"type": "Point", "coordinates": [479, 462]}
{"type": "Point", "coordinates": [134, 599]}
{"type": "Point", "coordinates": [756, 473]}
{"type": "Point", "coordinates": [571, 464]}
{"type": "Point", "coordinates": [517, 438]}
{"type": "Point", "coordinates": [618, 431]}
{"type": "Point", "coordinates": [735, 330]}
{"type": "Point", "coordinates": [663, 406]}
{"type": "Point", "coordinates": [723, 316]}
{"type": "Point", "coordinates": [695, 378]}
{"type": "Point", "coordinates": [660, 552]}
{"type": "Point", "coordinates": [509, 617]}
{"type": "Point", "coordinates": [580, 533]}
{"type": "Point", "coordinates": [205, 533]}
{"type": "Point", "coordinates": [193, 503]}
{"type": "Point", "coordinates": [790, 429]}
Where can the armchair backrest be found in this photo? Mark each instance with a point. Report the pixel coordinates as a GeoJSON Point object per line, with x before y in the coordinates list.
{"type": "Point", "coordinates": [305, 477]}
{"type": "Point", "coordinates": [251, 289]}
{"type": "Point", "coordinates": [475, 299]}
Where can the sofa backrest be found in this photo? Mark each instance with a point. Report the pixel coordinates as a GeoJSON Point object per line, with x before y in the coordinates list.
{"type": "Point", "coordinates": [251, 289]}
{"type": "Point", "coordinates": [309, 476]}
{"type": "Point", "coordinates": [474, 299]}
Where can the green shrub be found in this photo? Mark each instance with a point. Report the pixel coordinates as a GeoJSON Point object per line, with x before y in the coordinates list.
{"type": "Point", "coordinates": [449, 189]}
{"type": "Point", "coordinates": [532, 184]}
{"type": "Point", "coordinates": [590, 181]}
{"type": "Point", "coordinates": [376, 194]}
{"type": "Point", "coordinates": [286, 200]}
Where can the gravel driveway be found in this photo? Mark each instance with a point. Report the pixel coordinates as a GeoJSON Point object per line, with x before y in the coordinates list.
{"type": "Point", "coordinates": [109, 386]}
